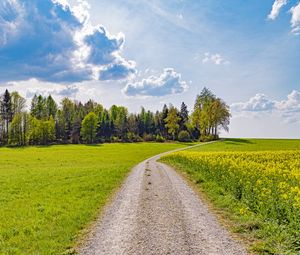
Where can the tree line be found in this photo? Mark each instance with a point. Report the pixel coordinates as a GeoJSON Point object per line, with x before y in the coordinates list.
{"type": "Point", "coordinates": [46, 122]}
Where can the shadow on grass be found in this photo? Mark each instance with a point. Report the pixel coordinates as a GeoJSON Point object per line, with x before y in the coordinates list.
{"type": "Point", "coordinates": [236, 141]}
{"type": "Point", "coordinates": [93, 145]}
{"type": "Point", "coordinates": [14, 147]}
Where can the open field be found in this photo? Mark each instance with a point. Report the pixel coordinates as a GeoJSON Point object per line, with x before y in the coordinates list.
{"type": "Point", "coordinates": [259, 190]}
{"type": "Point", "coordinates": [235, 144]}
{"type": "Point", "coordinates": [50, 194]}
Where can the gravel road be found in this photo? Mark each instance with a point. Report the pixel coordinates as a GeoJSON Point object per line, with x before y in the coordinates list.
{"type": "Point", "coordinates": [156, 212]}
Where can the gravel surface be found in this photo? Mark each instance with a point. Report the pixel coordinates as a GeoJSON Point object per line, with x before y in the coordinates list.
{"type": "Point", "coordinates": [156, 212]}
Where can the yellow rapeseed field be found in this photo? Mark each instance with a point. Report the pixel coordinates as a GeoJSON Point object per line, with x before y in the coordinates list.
{"type": "Point", "coordinates": [266, 182]}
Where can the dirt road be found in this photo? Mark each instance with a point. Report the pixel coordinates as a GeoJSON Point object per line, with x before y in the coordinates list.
{"type": "Point", "coordinates": [156, 212]}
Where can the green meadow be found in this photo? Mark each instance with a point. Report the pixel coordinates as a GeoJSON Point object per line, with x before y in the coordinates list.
{"type": "Point", "coordinates": [239, 144]}
{"type": "Point", "coordinates": [50, 195]}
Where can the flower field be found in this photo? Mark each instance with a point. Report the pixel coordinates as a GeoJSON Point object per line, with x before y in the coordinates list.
{"type": "Point", "coordinates": [265, 184]}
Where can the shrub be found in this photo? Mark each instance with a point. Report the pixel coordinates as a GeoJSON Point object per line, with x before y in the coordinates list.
{"type": "Point", "coordinates": [115, 139]}
{"type": "Point", "coordinates": [131, 137]}
{"type": "Point", "coordinates": [184, 136]}
{"type": "Point", "coordinates": [159, 138]}
{"type": "Point", "coordinates": [207, 138]}
{"type": "Point", "coordinates": [148, 137]}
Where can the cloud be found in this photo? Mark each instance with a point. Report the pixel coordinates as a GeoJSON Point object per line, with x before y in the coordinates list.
{"type": "Point", "coordinates": [259, 102]}
{"type": "Point", "coordinates": [277, 5]}
{"type": "Point", "coordinates": [216, 59]}
{"type": "Point", "coordinates": [6, 85]}
{"type": "Point", "coordinates": [289, 108]}
{"type": "Point", "coordinates": [291, 104]}
{"type": "Point", "coordinates": [51, 41]}
{"type": "Point", "coordinates": [295, 20]}
{"type": "Point", "coordinates": [118, 71]}
{"type": "Point", "coordinates": [169, 82]}
{"type": "Point", "coordinates": [294, 11]}
{"type": "Point", "coordinates": [61, 91]}
{"type": "Point", "coordinates": [180, 16]}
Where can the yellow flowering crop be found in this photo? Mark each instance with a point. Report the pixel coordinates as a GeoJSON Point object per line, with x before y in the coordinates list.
{"type": "Point", "coordinates": [267, 182]}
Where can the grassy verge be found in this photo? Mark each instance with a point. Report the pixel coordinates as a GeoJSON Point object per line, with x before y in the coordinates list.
{"type": "Point", "coordinates": [50, 194]}
{"type": "Point", "coordinates": [258, 191]}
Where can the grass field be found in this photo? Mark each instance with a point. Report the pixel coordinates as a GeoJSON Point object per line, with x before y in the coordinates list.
{"type": "Point", "coordinates": [50, 194]}
{"type": "Point", "coordinates": [256, 183]}
{"type": "Point", "coordinates": [251, 145]}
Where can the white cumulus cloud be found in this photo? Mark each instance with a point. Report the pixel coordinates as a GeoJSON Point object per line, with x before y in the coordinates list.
{"type": "Point", "coordinates": [288, 108]}
{"type": "Point", "coordinates": [291, 104]}
{"type": "Point", "coordinates": [294, 11]}
{"type": "Point", "coordinates": [51, 41]}
{"type": "Point", "coordinates": [62, 91]}
{"type": "Point", "coordinates": [259, 102]}
{"type": "Point", "coordinates": [169, 82]}
{"type": "Point", "coordinates": [277, 6]}
{"type": "Point", "coordinates": [295, 20]}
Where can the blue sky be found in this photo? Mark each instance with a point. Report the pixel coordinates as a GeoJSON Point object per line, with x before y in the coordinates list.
{"type": "Point", "coordinates": [149, 53]}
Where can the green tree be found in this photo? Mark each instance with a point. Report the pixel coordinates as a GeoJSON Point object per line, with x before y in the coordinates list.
{"type": "Point", "coordinates": [141, 122]}
{"type": "Point", "coordinates": [184, 116]}
{"type": "Point", "coordinates": [146, 122]}
{"type": "Point", "coordinates": [76, 126]}
{"type": "Point", "coordinates": [38, 107]}
{"type": "Point", "coordinates": [132, 128]}
{"type": "Point", "coordinates": [89, 127]}
{"type": "Point", "coordinates": [201, 116]}
{"type": "Point", "coordinates": [118, 118]}
{"type": "Point", "coordinates": [149, 122]}
{"type": "Point", "coordinates": [51, 107]}
{"type": "Point", "coordinates": [6, 114]}
{"type": "Point", "coordinates": [105, 127]}
{"type": "Point", "coordinates": [172, 122]}
{"type": "Point", "coordinates": [59, 126]}
{"type": "Point", "coordinates": [210, 113]}
{"type": "Point", "coordinates": [120, 123]}
{"type": "Point", "coordinates": [41, 131]}
{"type": "Point", "coordinates": [18, 129]}
{"type": "Point", "coordinates": [2, 125]}
{"type": "Point", "coordinates": [79, 113]}
{"type": "Point", "coordinates": [220, 116]}
{"type": "Point", "coordinates": [68, 114]}
{"type": "Point", "coordinates": [164, 115]}
{"type": "Point", "coordinates": [48, 131]}
{"type": "Point", "coordinates": [132, 124]}
{"type": "Point", "coordinates": [18, 103]}
{"type": "Point", "coordinates": [34, 131]}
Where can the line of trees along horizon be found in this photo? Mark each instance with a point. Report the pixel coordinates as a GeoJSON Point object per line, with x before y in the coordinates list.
{"type": "Point", "coordinates": [75, 122]}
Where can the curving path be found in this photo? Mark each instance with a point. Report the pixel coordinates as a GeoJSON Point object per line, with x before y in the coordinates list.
{"type": "Point", "coordinates": [156, 212]}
